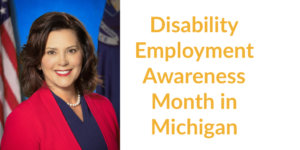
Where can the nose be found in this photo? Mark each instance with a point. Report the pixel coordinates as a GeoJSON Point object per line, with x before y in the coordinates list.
{"type": "Point", "coordinates": [63, 60]}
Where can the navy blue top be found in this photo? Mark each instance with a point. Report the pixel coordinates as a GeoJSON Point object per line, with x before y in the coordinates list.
{"type": "Point", "coordinates": [87, 133]}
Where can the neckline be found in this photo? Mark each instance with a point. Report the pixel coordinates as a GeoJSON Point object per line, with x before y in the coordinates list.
{"type": "Point", "coordinates": [65, 107]}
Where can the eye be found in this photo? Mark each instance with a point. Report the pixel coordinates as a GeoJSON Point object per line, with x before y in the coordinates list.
{"type": "Point", "coordinates": [51, 52]}
{"type": "Point", "coordinates": [72, 51]}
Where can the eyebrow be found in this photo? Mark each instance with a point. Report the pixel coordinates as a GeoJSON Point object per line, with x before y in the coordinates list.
{"type": "Point", "coordinates": [53, 48]}
{"type": "Point", "coordinates": [75, 46]}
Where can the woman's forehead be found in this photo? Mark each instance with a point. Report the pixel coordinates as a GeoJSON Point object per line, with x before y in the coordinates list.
{"type": "Point", "coordinates": [63, 38]}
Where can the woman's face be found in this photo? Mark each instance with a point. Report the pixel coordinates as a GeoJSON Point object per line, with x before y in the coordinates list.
{"type": "Point", "coordinates": [62, 61]}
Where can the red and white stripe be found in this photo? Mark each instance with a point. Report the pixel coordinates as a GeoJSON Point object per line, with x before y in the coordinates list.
{"type": "Point", "coordinates": [9, 83]}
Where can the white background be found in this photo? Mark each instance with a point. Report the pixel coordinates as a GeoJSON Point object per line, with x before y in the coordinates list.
{"type": "Point", "coordinates": [268, 102]}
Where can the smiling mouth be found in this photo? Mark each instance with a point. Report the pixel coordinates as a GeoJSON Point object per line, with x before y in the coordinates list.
{"type": "Point", "coordinates": [63, 72]}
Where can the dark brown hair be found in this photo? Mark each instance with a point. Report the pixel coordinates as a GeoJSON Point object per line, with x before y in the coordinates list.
{"type": "Point", "coordinates": [31, 77]}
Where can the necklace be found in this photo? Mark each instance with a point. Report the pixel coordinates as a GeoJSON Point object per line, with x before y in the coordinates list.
{"type": "Point", "coordinates": [77, 103]}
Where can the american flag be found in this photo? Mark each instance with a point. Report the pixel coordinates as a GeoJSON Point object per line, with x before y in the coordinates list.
{"type": "Point", "coordinates": [9, 83]}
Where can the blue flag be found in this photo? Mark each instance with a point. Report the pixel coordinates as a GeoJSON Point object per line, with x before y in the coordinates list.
{"type": "Point", "coordinates": [109, 56]}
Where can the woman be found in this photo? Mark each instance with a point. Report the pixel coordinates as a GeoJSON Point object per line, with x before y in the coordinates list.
{"type": "Point", "coordinates": [59, 75]}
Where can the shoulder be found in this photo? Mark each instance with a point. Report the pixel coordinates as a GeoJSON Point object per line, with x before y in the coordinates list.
{"type": "Point", "coordinates": [24, 109]}
{"type": "Point", "coordinates": [27, 107]}
{"type": "Point", "coordinates": [27, 114]}
{"type": "Point", "coordinates": [21, 127]}
{"type": "Point", "coordinates": [96, 96]}
{"type": "Point", "coordinates": [24, 113]}
{"type": "Point", "coordinates": [97, 99]}
{"type": "Point", "coordinates": [101, 106]}
{"type": "Point", "coordinates": [21, 117]}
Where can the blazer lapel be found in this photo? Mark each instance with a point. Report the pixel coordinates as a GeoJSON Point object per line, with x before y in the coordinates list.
{"type": "Point", "coordinates": [58, 118]}
{"type": "Point", "coordinates": [98, 113]}
{"type": "Point", "coordinates": [105, 121]}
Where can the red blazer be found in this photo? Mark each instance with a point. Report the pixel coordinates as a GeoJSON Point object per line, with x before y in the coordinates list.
{"type": "Point", "coordinates": [38, 124]}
